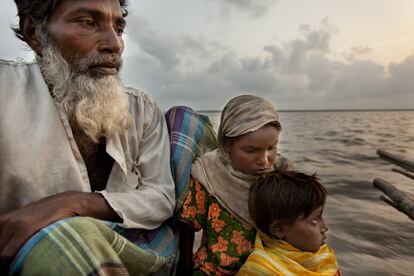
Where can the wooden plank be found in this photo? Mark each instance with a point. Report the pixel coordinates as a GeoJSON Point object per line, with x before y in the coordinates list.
{"type": "Point", "coordinates": [409, 175]}
{"type": "Point", "coordinates": [390, 202]}
{"type": "Point", "coordinates": [397, 160]}
{"type": "Point", "coordinates": [399, 199]}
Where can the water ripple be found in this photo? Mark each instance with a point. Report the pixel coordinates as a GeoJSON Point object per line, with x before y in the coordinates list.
{"type": "Point", "coordinates": [368, 236]}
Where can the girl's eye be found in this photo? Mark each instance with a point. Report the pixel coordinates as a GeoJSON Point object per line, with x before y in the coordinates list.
{"type": "Point", "coordinates": [315, 220]}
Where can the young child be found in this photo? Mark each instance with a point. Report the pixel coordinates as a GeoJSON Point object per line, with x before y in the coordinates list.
{"type": "Point", "coordinates": [217, 202]}
{"type": "Point", "coordinates": [287, 207]}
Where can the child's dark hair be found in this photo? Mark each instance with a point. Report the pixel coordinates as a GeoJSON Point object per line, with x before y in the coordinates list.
{"type": "Point", "coordinates": [284, 196]}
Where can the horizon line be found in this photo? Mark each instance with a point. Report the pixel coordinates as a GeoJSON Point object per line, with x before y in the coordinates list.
{"type": "Point", "coordinates": [323, 110]}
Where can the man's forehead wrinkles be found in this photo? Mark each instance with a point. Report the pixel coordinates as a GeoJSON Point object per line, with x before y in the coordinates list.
{"type": "Point", "coordinates": [97, 8]}
{"type": "Point", "coordinates": [98, 13]}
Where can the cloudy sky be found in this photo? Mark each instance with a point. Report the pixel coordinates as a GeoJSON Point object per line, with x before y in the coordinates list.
{"type": "Point", "coordinates": [301, 54]}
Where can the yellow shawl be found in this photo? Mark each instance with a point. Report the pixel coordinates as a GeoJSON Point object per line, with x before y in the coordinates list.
{"type": "Point", "coordinates": [276, 257]}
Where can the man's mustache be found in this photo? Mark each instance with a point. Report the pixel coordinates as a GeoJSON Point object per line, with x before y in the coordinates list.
{"type": "Point", "coordinates": [83, 65]}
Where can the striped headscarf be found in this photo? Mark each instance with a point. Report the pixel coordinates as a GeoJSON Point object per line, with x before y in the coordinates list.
{"type": "Point", "coordinates": [244, 114]}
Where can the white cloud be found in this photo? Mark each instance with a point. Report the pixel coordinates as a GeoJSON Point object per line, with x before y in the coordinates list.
{"type": "Point", "coordinates": [300, 74]}
{"type": "Point", "coordinates": [254, 8]}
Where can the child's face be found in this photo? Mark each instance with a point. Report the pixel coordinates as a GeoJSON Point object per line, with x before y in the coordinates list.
{"type": "Point", "coordinates": [254, 153]}
{"type": "Point", "coordinates": [307, 234]}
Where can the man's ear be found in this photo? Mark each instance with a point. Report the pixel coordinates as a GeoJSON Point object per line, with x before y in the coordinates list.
{"type": "Point", "coordinates": [278, 229]}
{"type": "Point", "coordinates": [28, 29]}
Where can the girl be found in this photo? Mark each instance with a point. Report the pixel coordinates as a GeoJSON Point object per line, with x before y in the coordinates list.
{"type": "Point", "coordinates": [217, 201]}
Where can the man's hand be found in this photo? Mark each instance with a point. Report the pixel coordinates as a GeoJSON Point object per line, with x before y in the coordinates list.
{"type": "Point", "coordinates": [17, 226]}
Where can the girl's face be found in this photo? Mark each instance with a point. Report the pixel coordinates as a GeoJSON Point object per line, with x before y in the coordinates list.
{"type": "Point", "coordinates": [254, 153]}
{"type": "Point", "coordinates": [306, 234]}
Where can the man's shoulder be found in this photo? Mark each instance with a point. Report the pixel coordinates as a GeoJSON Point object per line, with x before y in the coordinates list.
{"type": "Point", "coordinates": [4, 62]}
{"type": "Point", "coordinates": [19, 71]}
{"type": "Point", "coordinates": [17, 63]}
{"type": "Point", "coordinates": [140, 95]}
{"type": "Point", "coordinates": [24, 78]}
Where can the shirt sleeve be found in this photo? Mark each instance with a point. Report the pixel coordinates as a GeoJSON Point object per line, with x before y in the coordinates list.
{"type": "Point", "coordinates": [152, 202]}
{"type": "Point", "coordinates": [194, 211]}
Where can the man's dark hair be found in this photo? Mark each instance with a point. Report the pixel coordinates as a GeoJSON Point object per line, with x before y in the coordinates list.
{"type": "Point", "coordinates": [41, 10]}
{"type": "Point", "coordinates": [284, 196]}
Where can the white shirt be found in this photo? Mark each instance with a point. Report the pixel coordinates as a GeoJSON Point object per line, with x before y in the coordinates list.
{"type": "Point", "coordinates": [39, 156]}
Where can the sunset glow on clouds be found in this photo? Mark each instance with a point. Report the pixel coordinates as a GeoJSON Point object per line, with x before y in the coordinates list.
{"type": "Point", "coordinates": [300, 54]}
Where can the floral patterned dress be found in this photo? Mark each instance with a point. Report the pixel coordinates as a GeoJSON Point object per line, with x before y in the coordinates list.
{"type": "Point", "coordinates": [226, 241]}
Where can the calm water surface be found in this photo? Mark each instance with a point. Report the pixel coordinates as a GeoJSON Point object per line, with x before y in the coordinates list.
{"type": "Point", "coordinates": [368, 236]}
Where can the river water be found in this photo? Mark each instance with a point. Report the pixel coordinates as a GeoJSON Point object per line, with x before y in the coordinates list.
{"type": "Point", "coordinates": [369, 237]}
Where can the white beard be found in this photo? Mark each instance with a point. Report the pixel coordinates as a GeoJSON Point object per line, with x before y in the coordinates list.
{"type": "Point", "coordinates": [99, 105]}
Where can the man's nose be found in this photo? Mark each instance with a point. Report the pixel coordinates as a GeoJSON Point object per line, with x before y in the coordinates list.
{"type": "Point", "coordinates": [111, 42]}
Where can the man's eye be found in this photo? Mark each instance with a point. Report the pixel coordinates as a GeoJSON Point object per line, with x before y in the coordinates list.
{"type": "Point", "coordinates": [120, 30]}
{"type": "Point", "coordinates": [87, 23]}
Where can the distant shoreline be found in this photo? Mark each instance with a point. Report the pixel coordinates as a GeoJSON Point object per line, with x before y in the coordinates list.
{"type": "Point", "coordinates": [324, 110]}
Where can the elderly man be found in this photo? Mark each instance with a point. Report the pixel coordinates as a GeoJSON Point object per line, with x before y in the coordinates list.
{"type": "Point", "coordinates": [78, 149]}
